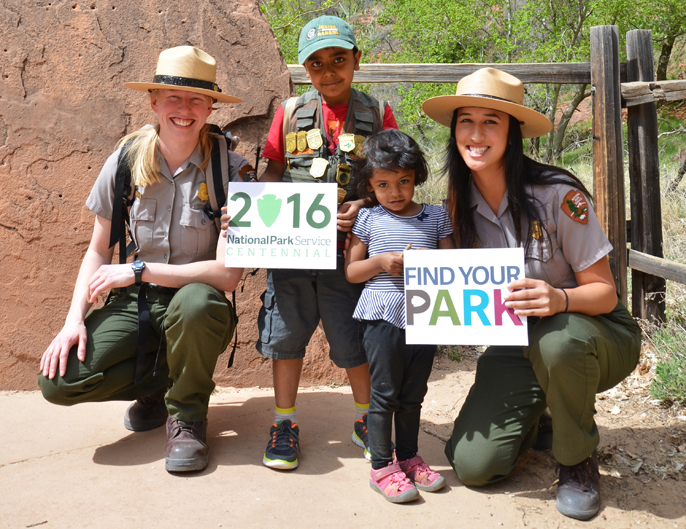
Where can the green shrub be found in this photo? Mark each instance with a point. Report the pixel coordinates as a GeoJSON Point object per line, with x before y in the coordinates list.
{"type": "Point", "coordinates": [669, 384]}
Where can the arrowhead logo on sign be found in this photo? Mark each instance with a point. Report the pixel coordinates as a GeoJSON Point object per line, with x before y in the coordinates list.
{"type": "Point", "coordinates": [269, 208]}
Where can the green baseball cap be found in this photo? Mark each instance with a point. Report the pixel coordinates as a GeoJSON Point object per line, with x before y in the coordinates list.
{"type": "Point", "coordinates": [325, 32]}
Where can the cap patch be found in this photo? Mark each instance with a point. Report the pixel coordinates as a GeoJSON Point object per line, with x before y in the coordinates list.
{"type": "Point", "coordinates": [325, 30]}
{"type": "Point", "coordinates": [575, 206]}
{"type": "Point", "coordinates": [311, 34]}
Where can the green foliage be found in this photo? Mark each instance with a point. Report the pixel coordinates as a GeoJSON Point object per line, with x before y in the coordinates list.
{"type": "Point", "coordinates": [454, 352]}
{"type": "Point", "coordinates": [669, 383]}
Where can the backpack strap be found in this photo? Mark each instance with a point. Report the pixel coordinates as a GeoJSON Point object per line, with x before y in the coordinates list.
{"type": "Point", "coordinates": [123, 198]}
{"type": "Point", "coordinates": [382, 110]}
{"type": "Point", "coordinates": [288, 108]}
{"type": "Point", "coordinates": [217, 189]}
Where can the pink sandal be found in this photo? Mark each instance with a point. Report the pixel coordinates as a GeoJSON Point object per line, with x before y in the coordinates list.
{"type": "Point", "coordinates": [421, 475]}
{"type": "Point", "coordinates": [392, 484]}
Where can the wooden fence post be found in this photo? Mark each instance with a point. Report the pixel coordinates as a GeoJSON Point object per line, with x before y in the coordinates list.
{"type": "Point", "coordinates": [608, 166]}
{"type": "Point", "coordinates": [648, 291]}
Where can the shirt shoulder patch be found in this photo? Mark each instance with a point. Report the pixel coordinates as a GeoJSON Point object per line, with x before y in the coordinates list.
{"type": "Point", "coordinates": [575, 206]}
{"type": "Point", "coordinates": [247, 173]}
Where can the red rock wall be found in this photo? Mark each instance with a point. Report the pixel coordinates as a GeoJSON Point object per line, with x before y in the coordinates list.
{"type": "Point", "coordinates": [62, 110]}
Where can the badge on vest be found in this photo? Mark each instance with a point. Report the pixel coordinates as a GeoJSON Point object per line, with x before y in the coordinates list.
{"type": "Point", "coordinates": [359, 140]}
{"type": "Point", "coordinates": [291, 140]}
{"type": "Point", "coordinates": [314, 139]}
{"type": "Point", "coordinates": [341, 195]}
{"type": "Point", "coordinates": [346, 142]}
{"type": "Point", "coordinates": [318, 167]}
{"type": "Point", "coordinates": [302, 140]}
{"type": "Point", "coordinates": [343, 173]}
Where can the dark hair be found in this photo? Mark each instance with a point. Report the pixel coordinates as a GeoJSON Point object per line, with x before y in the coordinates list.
{"type": "Point", "coordinates": [520, 171]}
{"type": "Point", "coordinates": [388, 149]}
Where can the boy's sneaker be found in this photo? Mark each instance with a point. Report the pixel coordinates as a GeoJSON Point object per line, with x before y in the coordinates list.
{"type": "Point", "coordinates": [360, 436]}
{"type": "Point", "coordinates": [283, 445]}
{"type": "Point", "coordinates": [421, 475]}
{"type": "Point", "coordinates": [392, 483]}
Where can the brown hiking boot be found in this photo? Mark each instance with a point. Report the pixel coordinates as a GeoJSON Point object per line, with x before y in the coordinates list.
{"type": "Point", "coordinates": [578, 490]}
{"type": "Point", "coordinates": [146, 413]}
{"type": "Point", "coordinates": [186, 449]}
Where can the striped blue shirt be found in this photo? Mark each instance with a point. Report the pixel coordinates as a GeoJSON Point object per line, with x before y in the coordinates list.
{"type": "Point", "coordinates": [383, 297]}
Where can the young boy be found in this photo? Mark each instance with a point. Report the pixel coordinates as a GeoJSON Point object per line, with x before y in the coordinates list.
{"type": "Point", "coordinates": [323, 131]}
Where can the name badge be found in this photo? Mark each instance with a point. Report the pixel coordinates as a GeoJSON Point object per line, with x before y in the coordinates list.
{"type": "Point", "coordinates": [346, 142]}
{"type": "Point", "coordinates": [343, 173]}
{"type": "Point", "coordinates": [291, 141]}
{"type": "Point", "coordinates": [302, 140]}
{"type": "Point", "coordinates": [314, 139]}
{"type": "Point", "coordinates": [318, 167]}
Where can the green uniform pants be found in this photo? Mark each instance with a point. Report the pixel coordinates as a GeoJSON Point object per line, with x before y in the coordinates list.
{"type": "Point", "coordinates": [198, 323]}
{"type": "Point", "coordinates": [570, 358]}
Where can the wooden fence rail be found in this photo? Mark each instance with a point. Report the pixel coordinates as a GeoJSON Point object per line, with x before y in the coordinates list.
{"type": "Point", "coordinates": [614, 86]}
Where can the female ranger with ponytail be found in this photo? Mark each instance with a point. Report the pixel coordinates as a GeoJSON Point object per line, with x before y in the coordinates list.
{"type": "Point", "coordinates": [177, 281]}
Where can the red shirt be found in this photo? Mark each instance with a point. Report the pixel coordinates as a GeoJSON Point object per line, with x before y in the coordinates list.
{"type": "Point", "coordinates": [334, 123]}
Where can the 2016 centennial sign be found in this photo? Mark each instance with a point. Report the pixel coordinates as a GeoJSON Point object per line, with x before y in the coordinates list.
{"type": "Point", "coordinates": [455, 297]}
{"type": "Point", "coordinates": [282, 225]}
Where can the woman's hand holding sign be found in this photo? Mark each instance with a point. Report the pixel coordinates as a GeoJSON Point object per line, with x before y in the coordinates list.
{"type": "Point", "coordinates": [534, 297]}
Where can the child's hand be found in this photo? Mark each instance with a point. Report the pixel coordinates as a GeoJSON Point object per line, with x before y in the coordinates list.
{"type": "Point", "coordinates": [225, 220]}
{"type": "Point", "coordinates": [392, 262]}
{"type": "Point", "coordinates": [347, 214]}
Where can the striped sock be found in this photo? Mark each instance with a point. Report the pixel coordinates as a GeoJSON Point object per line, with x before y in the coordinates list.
{"type": "Point", "coordinates": [361, 410]}
{"type": "Point", "coordinates": [282, 414]}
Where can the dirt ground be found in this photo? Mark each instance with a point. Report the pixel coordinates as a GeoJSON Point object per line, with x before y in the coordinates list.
{"type": "Point", "coordinates": [642, 452]}
{"type": "Point", "coordinates": [77, 467]}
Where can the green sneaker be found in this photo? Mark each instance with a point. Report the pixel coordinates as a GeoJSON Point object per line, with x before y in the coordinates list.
{"type": "Point", "coordinates": [360, 436]}
{"type": "Point", "coordinates": [283, 446]}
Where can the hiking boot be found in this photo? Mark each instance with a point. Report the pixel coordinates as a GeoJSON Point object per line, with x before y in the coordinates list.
{"type": "Point", "coordinates": [421, 475]}
{"type": "Point", "coordinates": [392, 484]}
{"type": "Point", "coordinates": [283, 446]}
{"type": "Point", "coordinates": [360, 436]}
{"type": "Point", "coordinates": [544, 440]}
{"type": "Point", "coordinates": [578, 490]}
{"type": "Point", "coordinates": [187, 448]}
{"type": "Point", "coordinates": [146, 413]}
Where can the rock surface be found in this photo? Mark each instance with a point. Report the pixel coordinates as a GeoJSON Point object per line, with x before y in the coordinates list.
{"type": "Point", "coordinates": [62, 109]}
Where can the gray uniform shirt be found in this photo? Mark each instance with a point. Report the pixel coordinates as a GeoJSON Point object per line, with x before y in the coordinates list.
{"type": "Point", "coordinates": [167, 219]}
{"type": "Point", "coordinates": [574, 240]}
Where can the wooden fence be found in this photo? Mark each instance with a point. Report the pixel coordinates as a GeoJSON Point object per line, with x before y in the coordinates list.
{"type": "Point", "coordinates": [614, 86]}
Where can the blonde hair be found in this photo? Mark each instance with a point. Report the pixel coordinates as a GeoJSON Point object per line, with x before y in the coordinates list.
{"type": "Point", "coordinates": [141, 153]}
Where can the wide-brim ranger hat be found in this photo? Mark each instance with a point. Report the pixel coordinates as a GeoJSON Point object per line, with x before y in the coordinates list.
{"type": "Point", "coordinates": [325, 32]}
{"type": "Point", "coordinates": [189, 69]}
{"type": "Point", "coordinates": [489, 88]}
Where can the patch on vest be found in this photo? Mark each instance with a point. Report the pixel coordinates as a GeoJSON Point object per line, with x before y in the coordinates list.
{"type": "Point", "coordinates": [575, 206]}
{"type": "Point", "coordinates": [247, 173]}
{"type": "Point", "coordinates": [202, 192]}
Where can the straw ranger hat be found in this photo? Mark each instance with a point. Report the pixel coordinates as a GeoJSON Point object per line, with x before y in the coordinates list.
{"type": "Point", "coordinates": [189, 69]}
{"type": "Point", "coordinates": [489, 88]}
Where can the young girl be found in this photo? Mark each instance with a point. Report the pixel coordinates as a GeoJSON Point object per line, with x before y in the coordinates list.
{"type": "Point", "coordinates": [390, 167]}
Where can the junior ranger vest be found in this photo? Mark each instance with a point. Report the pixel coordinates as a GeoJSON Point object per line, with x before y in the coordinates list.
{"type": "Point", "coordinates": [307, 153]}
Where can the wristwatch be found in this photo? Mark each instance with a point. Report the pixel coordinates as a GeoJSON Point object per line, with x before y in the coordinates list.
{"type": "Point", "coordinates": [138, 267]}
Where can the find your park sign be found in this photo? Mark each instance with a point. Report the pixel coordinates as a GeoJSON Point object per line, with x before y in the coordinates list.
{"type": "Point", "coordinates": [282, 225]}
{"type": "Point", "coordinates": [455, 297]}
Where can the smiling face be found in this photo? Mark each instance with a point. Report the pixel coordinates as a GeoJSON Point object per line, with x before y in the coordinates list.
{"type": "Point", "coordinates": [331, 71]}
{"type": "Point", "coordinates": [394, 190]}
{"type": "Point", "coordinates": [181, 114]}
{"type": "Point", "coordinates": [481, 135]}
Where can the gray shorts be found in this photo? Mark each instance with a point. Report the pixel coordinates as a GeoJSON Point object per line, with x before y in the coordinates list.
{"type": "Point", "coordinates": [293, 304]}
